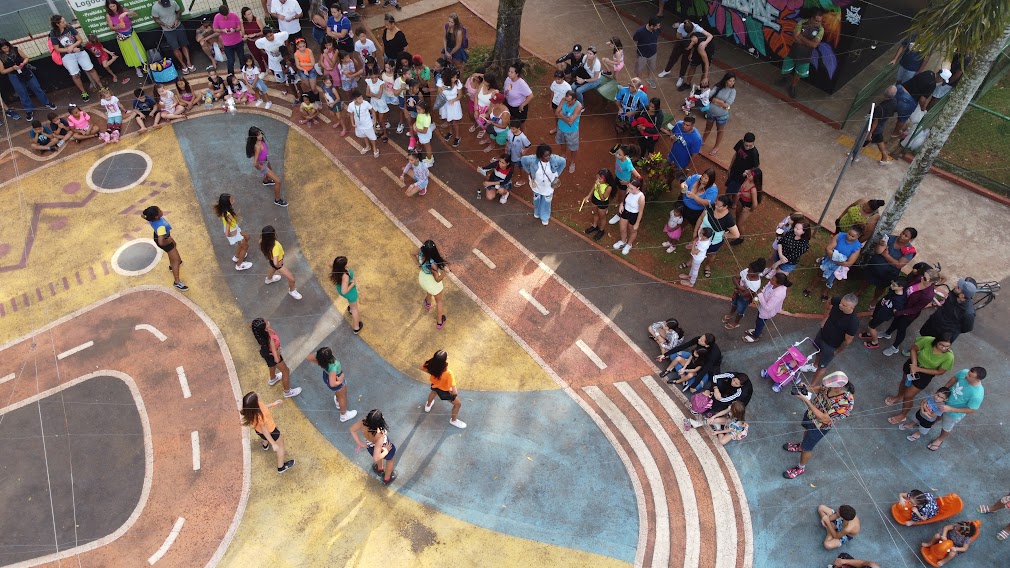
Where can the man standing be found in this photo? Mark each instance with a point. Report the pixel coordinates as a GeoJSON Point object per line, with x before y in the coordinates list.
{"type": "Point", "coordinates": [646, 38]}
{"type": "Point", "coordinates": [806, 37]}
{"type": "Point", "coordinates": [287, 14]}
{"type": "Point", "coordinates": [881, 113]}
{"type": "Point", "coordinates": [910, 62]}
{"type": "Point", "coordinates": [686, 143]}
{"type": "Point", "coordinates": [956, 315]}
{"type": "Point", "coordinates": [745, 157]}
{"type": "Point", "coordinates": [838, 329]}
{"type": "Point", "coordinates": [826, 405]}
{"type": "Point", "coordinates": [921, 86]}
{"type": "Point", "coordinates": [966, 394]}
{"type": "Point", "coordinates": [630, 101]}
{"type": "Point", "coordinates": [682, 49]}
{"type": "Point", "coordinates": [166, 13]}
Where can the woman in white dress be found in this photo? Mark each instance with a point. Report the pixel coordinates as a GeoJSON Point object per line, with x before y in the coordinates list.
{"type": "Point", "coordinates": [452, 110]}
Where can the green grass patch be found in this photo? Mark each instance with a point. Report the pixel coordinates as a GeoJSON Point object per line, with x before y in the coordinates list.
{"type": "Point", "coordinates": [980, 143]}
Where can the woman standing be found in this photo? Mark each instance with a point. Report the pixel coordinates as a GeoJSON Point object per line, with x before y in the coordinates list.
{"type": "Point", "coordinates": [252, 30]}
{"type": "Point", "coordinates": [257, 415]}
{"type": "Point", "coordinates": [343, 278]}
{"type": "Point", "coordinates": [518, 93]}
{"type": "Point", "coordinates": [919, 292]}
{"type": "Point", "coordinates": [270, 351]}
{"type": "Point", "coordinates": [479, 96]}
{"type": "Point", "coordinates": [454, 41]}
{"type": "Point", "coordinates": [631, 211]}
{"type": "Point", "coordinates": [434, 268]}
{"type": "Point", "coordinates": [443, 385]}
{"type": "Point", "coordinates": [723, 96]}
{"type": "Point", "coordinates": [748, 199]}
{"type": "Point", "coordinates": [452, 111]}
{"type": "Point", "coordinates": [163, 239]}
{"type": "Point", "coordinates": [118, 20]}
{"type": "Point", "coordinates": [376, 438]}
{"type": "Point", "coordinates": [393, 40]}
{"type": "Point", "coordinates": [770, 302]}
{"type": "Point", "coordinates": [333, 378]}
{"type": "Point", "coordinates": [698, 192]}
{"type": "Point", "coordinates": [274, 252]}
{"type": "Point", "coordinates": [723, 225]}
{"type": "Point", "coordinates": [225, 210]}
{"type": "Point", "coordinates": [257, 149]}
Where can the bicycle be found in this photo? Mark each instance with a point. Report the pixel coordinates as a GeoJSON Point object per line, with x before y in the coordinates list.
{"type": "Point", "coordinates": [985, 293]}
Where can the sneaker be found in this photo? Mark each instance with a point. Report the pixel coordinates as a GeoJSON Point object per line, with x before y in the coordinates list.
{"type": "Point", "coordinates": [680, 81]}
{"type": "Point", "coordinates": [618, 245]}
{"type": "Point", "coordinates": [181, 287]}
{"type": "Point", "coordinates": [884, 335]}
{"type": "Point", "coordinates": [275, 278]}
{"type": "Point", "coordinates": [13, 114]}
{"type": "Point", "coordinates": [545, 222]}
{"type": "Point", "coordinates": [292, 392]}
{"type": "Point", "coordinates": [427, 407]}
{"type": "Point", "coordinates": [683, 86]}
{"type": "Point", "coordinates": [458, 423]}
{"type": "Point", "coordinates": [399, 128]}
{"type": "Point", "coordinates": [51, 106]}
{"type": "Point", "coordinates": [60, 143]}
{"type": "Point", "coordinates": [626, 250]}
{"type": "Point", "coordinates": [571, 169]}
{"type": "Point", "coordinates": [209, 67]}
{"type": "Point", "coordinates": [652, 84]}
{"type": "Point", "coordinates": [889, 351]}
{"type": "Point", "coordinates": [349, 415]}
{"type": "Point", "coordinates": [792, 91]}
{"type": "Point", "coordinates": [387, 124]}
{"type": "Point", "coordinates": [244, 266]}
{"type": "Point", "coordinates": [614, 220]}
{"type": "Point", "coordinates": [886, 162]}
{"type": "Point", "coordinates": [234, 259]}
{"type": "Point", "coordinates": [504, 199]}
{"type": "Point", "coordinates": [269, 182]}
{"type": "Point", "coordinates": [599, 235]}
{"type": "Point", "coordinates": [104, 137]}
{"type": "Point", "coordinates": [808, 368]}
{"type": "Point", "coordinates": [280, 203]}
{"type": "Point", "coordinates": [361, 326]}
{"type": "Point", "coordinates": [663, 74]}
{"type": "Point", "coordinates": [268, 105]}
{"type": "Point", "coordinates": [906, 352]}
{"type": "Point", "coordinates": [589, 229]}
{"type": "Point", "coordinates": [455, 143]}
{"type": "Point", "coordinates": [259, 102]}
{"type": "Point", "coordinates": [294, 294]}
{"type": "Point", "coordinates": [430, 163]}
{"type": "Point", "coordinates": [265, 446]}
{"type": "Point", "coordinates": [29, 116]}
{"type": "Point", "coordinates": [288, 464]}
{"type": "Point", "coordinates": [277, 378]}
{"type": "Point", "coordinates": [736, 242]}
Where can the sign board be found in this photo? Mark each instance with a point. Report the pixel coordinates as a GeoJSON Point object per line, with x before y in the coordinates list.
{"type": "Point", "coordinates": [91, 15]}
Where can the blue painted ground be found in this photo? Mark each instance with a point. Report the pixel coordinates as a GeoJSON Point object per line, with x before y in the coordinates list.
{"type": "Point", "coordinates": [532, 464]}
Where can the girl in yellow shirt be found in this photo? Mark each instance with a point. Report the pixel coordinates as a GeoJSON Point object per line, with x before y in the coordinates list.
{"type": "Point", "coordinates": [272, 249]}
{"type": "Point", "coordinates": [225, 210]}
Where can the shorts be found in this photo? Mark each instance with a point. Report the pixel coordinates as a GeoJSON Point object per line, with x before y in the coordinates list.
{"type": "Point", "coordinates": [389, 456]}
{"type": "Point", "coordinates": [425, 137]}
{"type": "Point", "coordinates": [718, 120]}
{"type": "Point", "coordinates": [838, 528]}
{"type": "Point", "coordinates": [335, 107]}
{"type": "Point", "coordinates": [714, 248]}
{"type": "Point", "coordinates": [501, 137]}
{"type": "Point", "coordinates": [629, 216]}
{"type": "Point", "coordinates": [876, 137]}
{"type": "Point", "coordinates": [276, 434]}
{"type": "Point", "coordinates": [802, 67]}
{"type": "Point", "coordinates": [310, 74]}
{"type": "Point", "coordinates": [941, 91]}
{"type": "Point", "coordinates": [118, 119]}
{"type": "Point", "coordinates": [429, 284]}
{"type": "Point", "coordinates": [921, 381]}
{"type": "Point", "coordinates": [421, 183]}
{"type": "Point", "coordinates": [77, 62]}
{"type": "Point", "coordinates": [268, 358]}
{"type": "Point", "coordinates": [516, 114]}
{"type": "Point", "coordinates": [645, 63]}
{"type": "Point", "coordinates": [811, 435]}
{"type": "Point", "coordinates": [167, 248]}
{"type": "Point", "coordinates": [692, 215]}
{"type": "Point", "coordinates": [366, 132]}
{"type": "Point", "coordinates": [787, 268]}
{"type": "Point", "coordinates": [260, 86]}
{"type": "Point", "coordinates": [827, 352]}
{"type": "Point", "coordinates": [554, 105]}
{"type": "Point", "coordinates": [906, 104]}
{"type": "Point", "coordinates": [602, 205]}
{"type": "Point", "coordinates": [177, 38]}
{"type": "Point", "coordinates": [444, 395]}
{"type": "Point", "coordinates": [379, 105]}
{"type": "Point", "coordinates": [569, 139]}
{"type": "Point", "coordinates": [949, 420]}
{"type": "Point", "coordinates": [237, 238]}
{"type": "Point", "coordinates": [338, 388]}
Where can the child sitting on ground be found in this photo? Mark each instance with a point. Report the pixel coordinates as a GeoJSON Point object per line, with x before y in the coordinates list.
{"type": "Point", "coordinates": [730, 423]}
{"type": "Point", "coordinates": [419, 172]}
{"type": "Point", "coordinates": [59, 127]}
{"type": "Point", "coordinates": [80, 121]}
{"type": "Point", "coordinates": [930, 410]}
{"type": "Point", "coordinates": [308, 110]}
{"type": "Point", "coordinates": [699, 248]}
{"type": "Point", "coordinates": [42, 138]}
{"type": "Point", "coordinates": [674, 227]}
{"type": "Point", "coordinates": [840, 527]}
{"type": "Point", "coordinates": [924, 506]}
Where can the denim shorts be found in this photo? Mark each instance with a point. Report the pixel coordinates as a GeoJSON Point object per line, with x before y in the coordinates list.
{"type": "Point", "coordinates": [310, 74]}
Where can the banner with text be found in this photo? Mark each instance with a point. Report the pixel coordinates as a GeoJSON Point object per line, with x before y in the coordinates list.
{"type": "Point", "coordinates": [91, 15]}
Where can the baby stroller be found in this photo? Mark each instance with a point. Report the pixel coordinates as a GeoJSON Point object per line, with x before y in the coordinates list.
{"type": "Point", "coordinates": [788, 367]}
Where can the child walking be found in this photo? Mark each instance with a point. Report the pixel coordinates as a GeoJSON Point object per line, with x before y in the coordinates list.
{"type": "Point", "coordinates": [333, 378]}
{"type": "Point", "coordinates": [274, 252]}
{"type": "Point", "coordinates": [270, 350]}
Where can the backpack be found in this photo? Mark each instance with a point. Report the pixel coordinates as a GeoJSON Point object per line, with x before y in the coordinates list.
{"type": "Point", "coordinates": [466, 39]}
{"type": "Point", "coordinates": [700, 403]}
{"type": "Point", "coordinates": [57, 57]}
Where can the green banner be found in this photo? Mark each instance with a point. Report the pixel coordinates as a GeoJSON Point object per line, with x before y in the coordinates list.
{"type": "Point", "coordinates": [91, 15]}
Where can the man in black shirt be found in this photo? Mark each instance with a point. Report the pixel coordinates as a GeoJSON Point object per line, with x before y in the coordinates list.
{"type": "Point", "coordinates": [956, 315]}
{"type": "Point", "coordinates": [570, 62]}
{"type": "Point", "coordinates": [745, 157]}
{"type": "Point", "coordinates": [921, 87]}
{"type": "Point", "coordinates": [881, 113]}
{"type": "Point", "coordinates": [838, 329]}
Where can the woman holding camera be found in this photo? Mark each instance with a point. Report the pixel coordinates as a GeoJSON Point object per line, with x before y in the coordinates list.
{"type": "Point", "coordinates": [826, 404]}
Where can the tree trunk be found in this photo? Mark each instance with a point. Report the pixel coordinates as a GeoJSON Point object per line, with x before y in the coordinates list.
{"type": "Point", "coordinates": [954, 108]}
{"type": "Point", "coordinates": [506, 47]}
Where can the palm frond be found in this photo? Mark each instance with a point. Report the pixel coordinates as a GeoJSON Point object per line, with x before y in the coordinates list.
{"type": "Point", "coordinates": [963, 26]}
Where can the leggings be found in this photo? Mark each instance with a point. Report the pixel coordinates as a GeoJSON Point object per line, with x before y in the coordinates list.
{"type": "Point", "coordinates": [898, 326]}
{"type": "Point", "coordinates": [679, 51]}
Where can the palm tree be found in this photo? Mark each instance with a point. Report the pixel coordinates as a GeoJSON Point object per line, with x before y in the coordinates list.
{"type": "Point", "coordinates": [506, 46]}
{"type": "Point", "coordinates": [945, 27]}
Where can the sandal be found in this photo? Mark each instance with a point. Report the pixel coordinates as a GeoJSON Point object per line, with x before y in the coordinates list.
{"type": "Point", "coordinates": [934, 446]}
{"type": "Point", "coordinates": [427, 304]}
{"type": "Point", "coordinates": [682, 266]}
{"type": "Point", "coordinates": [480, 134]}
{"type": "Point", "coordinates": [793, 472]}
{"type": "Point", "coordinates": [824, 298]}
{"type": "Point", "coordinates": [473, 128]}
{"type": "Point", "coordinates": [891, 400]}
{"type": "Point", "coordinates": [792, 447]}
{"type": "Point", "coordinates": [728, 325]}
{"type": "Point", "coordinates": [871, 344]}
{"type": "Point", "coordinates": [983, 509]}
{"type": "Point", "coordinates": [896, 419]}
{"type": "Point", "coordinates": [1002, 535]}
{"type": "Point", "coordinates": [913, 437]}
{"type": "Point", "coordinates": [906, 425]}
{"type": "Point", "coordinates": [440, 324]}
{"type": "Point", "coordinates": [864, 335]}
{"type": "Point", "coordinates": [708, 273]}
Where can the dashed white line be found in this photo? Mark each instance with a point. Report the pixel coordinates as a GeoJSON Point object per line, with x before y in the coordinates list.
{"type": "Point", "coordinates": [7, 378]}
{"type": "Point", "coordinates": [168, 541]}
{"type": "Point", "coordinates": [591, 354]}
{"type": "Point", "coordinates": [353, 143]}
{"type": "Point", "coordinates": [529, 298]}
{"type": "Point", "coordinates": [483, 258]}
{"type": "Point", "coordinates": [77, 349]}
{"type": "Point", "coordinates": [396, 179]}
{"type": "Point", "coordinates": [154, 331]}
{"type": "Point", "coordinates": [440, 218]}
{"type": "Point", "coordinates": [194, 437]}
{"type": "Point", "coordinates": [183, 382]}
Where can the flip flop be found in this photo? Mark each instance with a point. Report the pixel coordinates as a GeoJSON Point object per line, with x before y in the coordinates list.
{"type": "Point", "coordinates": [895, 420]}
{"type": "Point", "coordinates": [1002, 535]}
{"type": "Point", "coordinates": [983, 509]}
{"type": "Point", "coordinates": [791, 447]}
{"type": "Point", "coordinates": [933, 446]}
{"type": "Point", "coordinates": [731, 325]}
{"type": "Point", "coordinates": [906, 425]}
{"type": "Point", "coordinates": [806, 293]}
{"type": "Point", "coordinates": [708, 273]}
{"type": "Point", "coordinates": [891, 401]}
{"type": "Point", "coordinates": [682, 266]}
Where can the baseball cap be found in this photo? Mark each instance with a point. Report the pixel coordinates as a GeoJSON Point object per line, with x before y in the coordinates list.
{"type": "Point", "coordinates": [577, 48]}
{"type": "Point", "coordinates": [968, 288]}
{"type": "Point", "coordinates": [835, 380]}
{"type": "Point", "coordinates": [945, 74]}
{"type": "Point", "coordinates": [497, 98]}
{"type": "Point", "coordinates": [165, 3]}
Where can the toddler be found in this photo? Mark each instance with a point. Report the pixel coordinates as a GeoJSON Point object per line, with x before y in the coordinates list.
{"type": "Point", "coordinates": [698, 252]}
{"type": "Point", "coordinates": [674, 227]}
{"type": "Point", "coordinates": [930, 410]}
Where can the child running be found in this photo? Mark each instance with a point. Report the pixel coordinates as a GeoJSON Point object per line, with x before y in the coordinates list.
{"type": "Point", "coordinates": [163, 239]}
{"type": "Point", "coordinates": [443, 385]}
{"type": "Point", "coordinates": [225, 210]}
{"type": "Point", "coordinates": [257, 415]}
{"type": "Point", "coordinates": [376, 438]}
{"type": "Point", "coordinates": [419, 173]}
{"type": "Point", "coordinates": [333, 378]}
{"type": "Point", "coordinates": [274, 252]}
{"type": "Point", "coordinates": [270, 351]}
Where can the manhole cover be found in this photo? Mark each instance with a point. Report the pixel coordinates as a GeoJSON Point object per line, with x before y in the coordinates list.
{"type": "Point", "coordinates": [119, 171]}
{"type": "Point", "coordinates": [136, 257]}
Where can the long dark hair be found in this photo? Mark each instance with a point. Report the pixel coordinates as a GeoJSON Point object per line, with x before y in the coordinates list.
{"type": "Point", "coordinates": [608, 177]}
{"type": "Point", "coordinates": [339, 269]}
{"type": "Point", "coordinates": [710, 174]}
{"type": "Point", "coordinates": [54, 22]}
{"type": "Point", "coordinates": [450, 32]}
{"type": "Point", "coordinates": [675, 326]}
{"type": "Point", "coordinates": [185, 85]}
{"type": "Point", "coordinates": [251, 412]}
{"type": "Point", "coordinates": [267, 239]}
{"type": "Point", "coordinates": [782, 279]}
{"type": "Point", "coordinates": [429, 252]}
{"type": "Point", "coordinates": [438, 363]}
{"type": "Point", "coordinates": [223, 208]}
{"type": "Point", "coordinates": [722, 82]}
{"type": "Point", "coordinates": [250, 143]}
{"type": "Point", "coordinates": [150, 213]}
{"type": "Point", "coordinates": [325, 357]}
{"type": "Point", "coordinates": [119, 7]}
{"type": "Point", "coordinates": [259, 331]}
{"type": "Point", "coordinates": [374, 421]}
{"type": "Point", "coordinates": [758, 177]}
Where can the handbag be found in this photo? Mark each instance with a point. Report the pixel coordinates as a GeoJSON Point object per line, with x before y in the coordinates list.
{"type": "Point", "coordinates": [219, 53]}
{"type": "Point", "coordinates": [556, 182]}
{"type": "Point", "coordinates": [56, 55]}
{"type": "Point", "coordinates": [700, 402]}
{"type": "Point", "coordinates": [440, 101]}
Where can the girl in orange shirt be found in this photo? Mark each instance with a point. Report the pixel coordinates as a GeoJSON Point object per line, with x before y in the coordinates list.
{"type": "Point", "coordinates": [257, 415]}
{"type": "Point", "coordinates": [305, 61]}
{"type": "Point", "coordinates": [443, 384]}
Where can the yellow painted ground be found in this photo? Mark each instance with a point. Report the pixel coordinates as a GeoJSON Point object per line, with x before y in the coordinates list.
{"type": "Point", "coordinates": [870, 150]}
{"type": "Point", "coordinates": [385, 267]}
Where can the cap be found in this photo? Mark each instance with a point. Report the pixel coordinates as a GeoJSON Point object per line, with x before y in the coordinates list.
{"type": "Point", "coordinates": [945, 74]}
{"type": "Point", "coordinates": [497, 98]}
{"type": "Point", "coordinates": [577, 48]}
{"type": "Point", "coordinates": [835, 380]}
{"type": "Point", "coordinates": [968, 288]}
{"type": "Point", "coordinates": [165, 3]}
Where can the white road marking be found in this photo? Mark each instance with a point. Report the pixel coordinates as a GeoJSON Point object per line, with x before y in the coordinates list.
{"type": "Point", "coordinates": [77, 349]}
{"type": "Point", "coordinates": [440, 218]}
{"type": "Point", "coordinates": [529, 298]}
{"type": "Point", "coordinates": [692, 548]}
{"type": "Point", "coordinates": [396, 179]}
{"type": "Point", "coordinates": [7, 378]}
{"type": "Point", "coordinates": [591, 354]}
{"type": "Point", "coordinates": [194, 437]}
{"type": "Point", "coordinates": [168, 541]}
{"type": "Point", "coordinates": [154, 331]}
{"type": "Point", "coordinates": [183, 382]}
{"type": "Point", "coordinates": [353, 143]}
{"type": "Point", "coordinates": [483, 258]}
{"type": "Point", "coordinates": [718, 488]}
{"type": "Point", "coordinates": [661, 548]}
